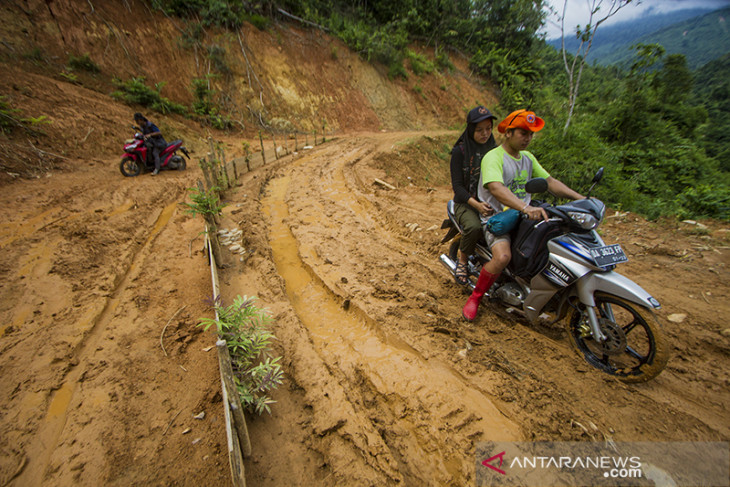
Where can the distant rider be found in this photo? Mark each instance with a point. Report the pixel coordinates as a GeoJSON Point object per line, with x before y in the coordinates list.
{"type": "Point", "coordinates": [153, 139]}
{"type": "Point", "coordinates": [466, 160]}
{"type": "Point", "coordinates": [505, 170]}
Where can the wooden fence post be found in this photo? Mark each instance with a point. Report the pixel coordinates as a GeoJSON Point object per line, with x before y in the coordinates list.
{"type": "Point", "coordinates": [206, 173]}
{"type": "Point", "coordinates": [224, 165]}
{"type": "Point", "coordinates": [276, 152]}
{"type": "Point", "coordinates": [263, 155]}
{"type": "Point", "coordinates": [235, 170]}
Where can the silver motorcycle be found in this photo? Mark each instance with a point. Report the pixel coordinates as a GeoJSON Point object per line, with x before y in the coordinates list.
{"type": "Point", "coordinates": [562, 268]}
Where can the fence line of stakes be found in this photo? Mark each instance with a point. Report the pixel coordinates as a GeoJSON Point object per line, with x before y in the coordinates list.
{"type": "Point", "coordinates": [216, 179]}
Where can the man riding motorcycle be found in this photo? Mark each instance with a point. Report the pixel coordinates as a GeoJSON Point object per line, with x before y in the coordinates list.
{"type": "Point", "coordinates": [153, 139]}
{"type": "Point", "coordinates": [504, 172]}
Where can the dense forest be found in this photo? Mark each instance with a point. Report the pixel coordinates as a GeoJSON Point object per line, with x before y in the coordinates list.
{"type": "Point", "coordinates": [659, 128]}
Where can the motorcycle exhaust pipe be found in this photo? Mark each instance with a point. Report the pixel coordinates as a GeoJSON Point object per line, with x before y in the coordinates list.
{"type": "Point", "coordinates": [448, 263]}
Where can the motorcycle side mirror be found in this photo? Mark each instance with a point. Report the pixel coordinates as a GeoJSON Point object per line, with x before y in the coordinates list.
{"type": "Point", "coordinates": [598, 176]}
{"type": "Point", "coordinates": [536, 185]}
{"type": "Point", "coordinates": [596, 179]}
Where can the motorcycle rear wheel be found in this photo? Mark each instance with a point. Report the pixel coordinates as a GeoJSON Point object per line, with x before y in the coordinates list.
{"type": "Point", "coordinates": [129, 167]}
{"type": "Point", "coordinates": [637, 351]}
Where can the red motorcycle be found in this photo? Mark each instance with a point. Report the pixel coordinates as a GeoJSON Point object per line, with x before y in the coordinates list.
{"type": "Point", "coordinates": [138, 157]}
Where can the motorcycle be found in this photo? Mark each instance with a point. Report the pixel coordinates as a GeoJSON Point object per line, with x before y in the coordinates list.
{"type": "Point", "coordinates": [138, 157]}
{"type": "Point", "coordinates": [562, 268]}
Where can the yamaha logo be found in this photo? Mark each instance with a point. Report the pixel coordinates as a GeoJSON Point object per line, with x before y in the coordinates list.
{"type": "Point", "coordinates": [559, 273]}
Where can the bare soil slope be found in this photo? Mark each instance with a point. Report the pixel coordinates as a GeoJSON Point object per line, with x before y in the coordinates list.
{"type": "Point", "coordinates": [103, 281]}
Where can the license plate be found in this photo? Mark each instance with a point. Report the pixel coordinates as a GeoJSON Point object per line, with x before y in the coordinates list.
{"type": "Point", "coordinates": [608, 255]}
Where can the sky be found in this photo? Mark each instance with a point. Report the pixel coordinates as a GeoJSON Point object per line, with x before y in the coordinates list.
{"type": "Point", "coordinates": [578, 11]}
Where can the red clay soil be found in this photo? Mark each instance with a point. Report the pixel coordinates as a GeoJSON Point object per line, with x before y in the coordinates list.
{"type": "Point", "coordinates": [103, 281]}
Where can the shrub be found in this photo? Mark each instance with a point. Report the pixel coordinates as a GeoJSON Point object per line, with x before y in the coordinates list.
{"type": "Point", "coordinates": [244, 327]}
{"type": "Point", "coordinates": [136, 92]}
{"type": "Point", "coordinates": [83, 63]}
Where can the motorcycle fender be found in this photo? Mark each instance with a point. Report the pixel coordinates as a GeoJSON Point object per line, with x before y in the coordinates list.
{"type": "Point", "coordinates": [615, 284]}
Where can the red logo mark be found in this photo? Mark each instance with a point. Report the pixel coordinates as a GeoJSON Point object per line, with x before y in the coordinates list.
{"type": "Point", "coordinates": [501, 459]}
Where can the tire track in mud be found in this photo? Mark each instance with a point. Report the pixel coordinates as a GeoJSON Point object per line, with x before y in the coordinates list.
{"type": "Point", "coordinates": [93, 325]}
{"type": "Point", "coordinates": [386, 380]}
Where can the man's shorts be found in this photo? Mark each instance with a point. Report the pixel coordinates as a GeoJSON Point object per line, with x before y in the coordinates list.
{"type": "Point", "coordinates": [492, 239]}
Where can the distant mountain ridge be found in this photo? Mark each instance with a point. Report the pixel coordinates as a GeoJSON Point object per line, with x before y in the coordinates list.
{"type": "Point", "coordinates": [700, 34]}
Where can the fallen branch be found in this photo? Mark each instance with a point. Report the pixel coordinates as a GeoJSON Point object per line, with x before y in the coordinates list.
{"type": "Point", "coordinates": [91, 129]}
{"type": "Point", "coordinates": [383, 183]}
{"type": "Point", "coordinates": [171, 421]}
{"type": "Point", "coordinates": [299, 19]}
{"type": "Point", "coordinates": [48, 153]}
{"type": "Point", "coordinates": [165, 327]}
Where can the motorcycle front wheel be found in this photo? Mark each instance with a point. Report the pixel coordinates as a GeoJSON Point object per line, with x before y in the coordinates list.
{"type": "Point", "coordinates": [129, 167]}
{"type": "Point", "coordinates": [635, 350]}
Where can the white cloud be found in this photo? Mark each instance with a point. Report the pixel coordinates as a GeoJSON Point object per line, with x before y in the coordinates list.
{"type": "Point", "coordinates": [578, 11]}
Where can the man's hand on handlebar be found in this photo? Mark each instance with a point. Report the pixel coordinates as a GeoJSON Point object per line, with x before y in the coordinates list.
{"type": "Point", "coordinates": [535, 213]}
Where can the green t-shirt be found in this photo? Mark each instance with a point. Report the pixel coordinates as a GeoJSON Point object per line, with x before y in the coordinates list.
{"type": "Point", "coordinates": [499, 166]}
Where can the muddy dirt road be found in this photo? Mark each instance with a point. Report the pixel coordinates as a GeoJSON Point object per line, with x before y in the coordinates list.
{"type": "Point", "coordinates": [104, 282]}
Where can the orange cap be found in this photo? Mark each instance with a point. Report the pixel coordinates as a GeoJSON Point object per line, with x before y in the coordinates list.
{"type": "Point", "coordinates": [521, 119]}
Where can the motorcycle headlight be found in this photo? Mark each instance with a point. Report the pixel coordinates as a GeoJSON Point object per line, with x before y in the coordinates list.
{"type": "Point", "coordinates": [584, 220]}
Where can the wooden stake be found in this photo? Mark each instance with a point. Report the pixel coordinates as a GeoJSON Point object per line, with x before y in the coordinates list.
{"type": "Point", "coordinates": [263, 155]}
{"type": "Point", "coordinates": [206, 173]}
{"type": "Point", "coordinates": [224, 165]}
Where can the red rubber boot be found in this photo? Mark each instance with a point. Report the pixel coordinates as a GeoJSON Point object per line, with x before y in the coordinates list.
{"type": "Point", "coordinates": [485, 281]}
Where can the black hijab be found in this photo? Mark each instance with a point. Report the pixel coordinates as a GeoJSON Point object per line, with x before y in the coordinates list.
{"type": "Point", "coordinates": [473, 152]}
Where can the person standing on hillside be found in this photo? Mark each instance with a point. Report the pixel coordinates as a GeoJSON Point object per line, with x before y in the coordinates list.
{"type": "Point", "coordinates": [153, 139]}
{"type": "Point", "coordinates": [466, 157]}
{"type": "Point", "coordinates": [504, 173]}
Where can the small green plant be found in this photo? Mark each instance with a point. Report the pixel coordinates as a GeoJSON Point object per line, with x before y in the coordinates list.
{"type": "Point", "coordinates": [396, 70]}
{"type": "Point", "coordinates": [419, 64]}
{"type": "Point", "coordinates": [70, 77]}
{"type": "Point", "coordinates": [443, 63]}
{"type": "Point", "coordinates": [204, 105]}
{"type": "Point", "coordinates": [9, 120]}
{"type": "Point", "coordinates": [258, 21]}
{"type": "Point", "coordinates": [83, 63]}
{"type": "Point", "coordinates": [7, 116]}
{"type": "Point", "coordinates": [35, 121]}
{"type": "Point", "coordinates": [217, 57]}
{"type": "Point", "coordinates": [35, 55]}
{"type": "Point", "coordinates": [244, 327]}
{"type": "Point", "coordinates": [246, 153]}
{"type": "Point", "coordinates": [204, 202]}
